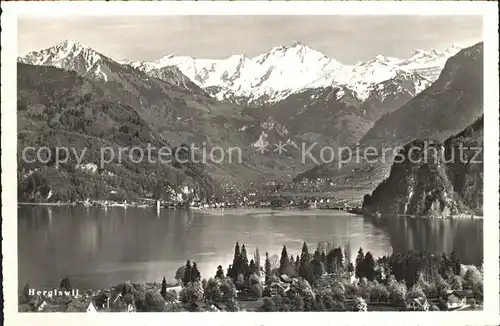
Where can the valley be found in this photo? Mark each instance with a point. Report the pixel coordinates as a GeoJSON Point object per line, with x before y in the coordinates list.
{"type": "Point", "coordinates": [71, 95]}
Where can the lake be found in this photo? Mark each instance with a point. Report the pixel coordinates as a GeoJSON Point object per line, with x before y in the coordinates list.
{"type": "Point", "coordinates": [98, 247]}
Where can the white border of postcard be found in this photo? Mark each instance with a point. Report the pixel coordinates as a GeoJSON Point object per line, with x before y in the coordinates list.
{"type": "Point", "coordinates": [489, 12]}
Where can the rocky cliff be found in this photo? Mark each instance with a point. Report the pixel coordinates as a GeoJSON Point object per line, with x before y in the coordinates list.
{"type": "Point", "coordinates": [434, 179]}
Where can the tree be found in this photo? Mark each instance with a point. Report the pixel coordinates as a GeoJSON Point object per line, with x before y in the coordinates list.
{"type": "Point", "coordinates": [319, 303]}
{"type": "Point", "coordinates": [163, 291]}
{"type": "Point", "coordinates": [267, 268]}
{"type": "Point", "coordinates": [304, 262]}
{"type": "Point", "coordinates": [220, 272]}
{"type": "Point", "coordinates": [188, 271]}
{"type": "Point", "coordinates": [244, 268]}
{"type": "Point", "coordinates": [212, 290]}
{"type": "Point", "coordinates": [228, 289]}
{"type": "Point", "coordinates": [340, 258]}
{"type": "Point", "coordinates": [446, 267]}
{"type": "Point", "coordinates": [472, 276]}
{"type": "Point", "coordinates": [416, 291]}
{"type": "Point", "coordinates": [330, 262]}
{"type": "Point", "coordinates": [379, 293]}
{"type": "Point", "coordinates": [397, 291]}
{"type": "Point", "coordinates": [195, 274]}
{"type": "Point", "coordinates": [297, 264]}
{"type": "Point", "coordinates": [65, 284]}
{"type": "Point", "coordinates": [315, 269]}
{"type": "Point", "coordinates": [254, 288]}
{"type": "Point", "coordinates": [191, 293]}
{"type": "Point", "coordinates": [240, 281]}
{"type": "Point", "coordinates": [455, 263]}
{"type": "Point", "coordinates": [359, 264]}
{"type": "Point", "coordinates": [128, 298]}
{"type": "Point", "coordinates": [323, 257]}
{"type": "Point", "coordinates": [154, 302]}
{"type": "Point", "coordinates": [269, 305]}
{"type": "Point", "coordinates": [369, 267]}
{"type": "Point", "coordinates": [296, 303]}
{"type": "Point", "coordinates": [256, 259]}
{"type": "Point", "coordinates": [236, 267]}
{"type": "Point", "coordinates": [126, 287]}
{"type": "Point", "coordinates": [347, 254]}
{"type": "Point", "coordinates": [232, 305]}
{"type": "Point", "coordinates": [25, 294]}
{"type": "Point", "coordinates": [350, 268]}
{"type": "Point", "coordinates": [284, 261]}
{"type": "Point", "coordinates": [252, 268]}
{"type": "Point", "coordinates": [456, 283]}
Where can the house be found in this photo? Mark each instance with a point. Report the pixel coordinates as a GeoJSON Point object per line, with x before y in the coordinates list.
{"type": "Point", "coordinates": [454, 299]}
{"type": "Point", "coordinates": [175, 289]}
{"type": "Point", "coordinates": [279, 288]}
{"type": "Point", "coordinates": [130, 308]}
{"type": "Point", "coordinates": [285, 278]}
{"type": "Point", "coordinates": [418, 304]}
{"type": "Point", "coordinates": [41, 306]}
{"type": "Point", "coordinates": [91, 307]}
{"type": "Point", "coordinates": [212, 307]}
{"type": "Point", "coordinates": [102, 299]}
{"type": "Point", "coordinates": [360, 305]}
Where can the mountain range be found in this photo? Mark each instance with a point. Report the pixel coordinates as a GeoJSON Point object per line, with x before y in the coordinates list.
{"type": "Point", "coordinates": [293, 94]}
{"type": "Point", "coordinates": [281, 87]}
{"type": "Point", "coordinates": [284, 70]}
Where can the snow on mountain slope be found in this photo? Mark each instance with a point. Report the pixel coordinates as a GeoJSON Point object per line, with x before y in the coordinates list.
{"type": "Point", "coordinates": [285, 70]}
{"type": "Point", "coordinates": [74, 56]}
{"type": "Point", "coordinates": [70, 55]}
{"type": "Point", "coordinates": [428, 63]}
{"type": "Point", "coordinates": [269, 77]}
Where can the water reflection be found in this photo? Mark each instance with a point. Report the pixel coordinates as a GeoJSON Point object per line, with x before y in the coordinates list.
{"type": "Point", "coordinates": [97, 247]}
{"type": "Point", "coordinates": [435, 235]}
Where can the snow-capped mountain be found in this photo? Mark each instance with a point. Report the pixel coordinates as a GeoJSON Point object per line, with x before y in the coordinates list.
{"type": "Point", "coordinates": [74, 56]}
{"type": "Point", "coordinates": [71, 55]}
{"type": "Point", "coordinates": [428, 63]}
{"type": "Point", "coordinates": [285, 70]}
{"type": "Point", "coordinates": [269, 77]}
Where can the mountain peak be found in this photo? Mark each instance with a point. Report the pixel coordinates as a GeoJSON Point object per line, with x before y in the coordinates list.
{"type": "Point", "coordinates": [298, 44]}
{"type": "Point", "coordinates": [72, 45]}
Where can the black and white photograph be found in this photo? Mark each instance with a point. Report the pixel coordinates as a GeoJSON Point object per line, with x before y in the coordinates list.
{"type": "Point", "coordinates": [252, 163]}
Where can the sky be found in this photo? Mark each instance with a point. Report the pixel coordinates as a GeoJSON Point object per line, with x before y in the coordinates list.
{"type": "Point", "coordinates": [348, 39]}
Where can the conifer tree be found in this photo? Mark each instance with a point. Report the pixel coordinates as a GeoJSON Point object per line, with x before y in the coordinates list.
{"type": "Point", "coordinates": [251, 267]}
{"type": "Point", "coordinates": [267, 268]}
{"type": "Point", "coordinates": [340, 258]}
{"type": "Point", "coordinates": [65, 284]}
{"type": "Point", "coordinates": [330, 262]}
{"type": "Point", "coordinates": [187, 273]}
{"type": "Point", "coordinates": [244, 261]}
{"type": "Point", "coordinates": [256, 259]}
{"type": "Point", "coordinates": [347, 254]}
{"type": "Point", "coordinates": [369, 267]}
{"type": "Point", "coordinates": [304, 262]}
{"type": "Point", "coordinates": [359, 264]}
{"type": "Point", "coordinates": [195, 274]}
{"type": "Point", "coordinates": [163, 291]}
{"type": "Point", "coordinates": [284, 261]}
{"type": "Point", "coordinates": [235, 270]}
{"type": "Point", "coordinates": [220, 272]}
